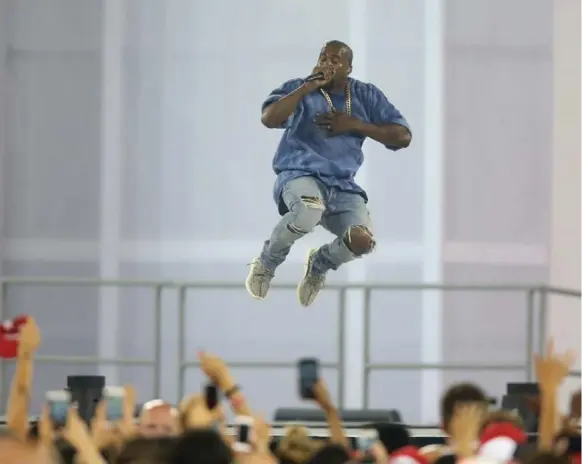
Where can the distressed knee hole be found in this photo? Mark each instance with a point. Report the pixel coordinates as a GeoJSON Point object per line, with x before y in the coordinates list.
{"type": "Point", "coordinates": [312, 202]}
{"type": "Point", "coordinates": [359, 240]}
{"type": "Point", "coordinates": [305, 216]}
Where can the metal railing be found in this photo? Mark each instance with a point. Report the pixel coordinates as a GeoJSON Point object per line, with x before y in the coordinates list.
{"type": "Point", "coordinates": [536, 300]}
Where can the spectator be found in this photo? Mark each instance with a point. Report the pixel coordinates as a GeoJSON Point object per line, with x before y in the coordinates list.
{"type": "Point", "coordinates": [193, 433]}
{"type": "Point", "coordinates": [158, 419]}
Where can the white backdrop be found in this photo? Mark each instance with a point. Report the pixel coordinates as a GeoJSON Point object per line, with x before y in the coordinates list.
{"type": "Point", "coordinates": [138, 152]}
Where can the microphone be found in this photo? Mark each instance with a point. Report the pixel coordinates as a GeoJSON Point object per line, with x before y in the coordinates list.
{"type": "Point", "coordinates": [315, 77]}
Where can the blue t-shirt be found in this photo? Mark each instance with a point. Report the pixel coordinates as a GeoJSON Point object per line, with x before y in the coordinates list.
{"type": "Point", "coordinates": [306, 150]}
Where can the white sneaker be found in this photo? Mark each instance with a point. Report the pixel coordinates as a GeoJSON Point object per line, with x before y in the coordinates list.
{"type": "Point", "coordinates": [311, 284]}
{"type": "Point", "coordinates": [259, 279]}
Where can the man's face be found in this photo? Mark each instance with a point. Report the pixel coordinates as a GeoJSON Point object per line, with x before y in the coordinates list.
{"type": "Point", "coordinates": [336, 57]}
{"type": "Point", "coordinates": [159, 421]}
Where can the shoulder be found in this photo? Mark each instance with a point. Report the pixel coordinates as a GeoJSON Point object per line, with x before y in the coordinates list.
{"type": "Point", "coordinates": [366, 90]}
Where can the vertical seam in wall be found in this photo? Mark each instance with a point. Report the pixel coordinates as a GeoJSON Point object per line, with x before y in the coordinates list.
{"type": "Point", "coordinates": [433, 206]}
{"type": "Point", "coordinates": [111, 153]}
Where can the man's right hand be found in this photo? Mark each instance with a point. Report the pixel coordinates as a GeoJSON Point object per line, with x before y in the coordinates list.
{"type": "Point", "coordinates": [328, 74]}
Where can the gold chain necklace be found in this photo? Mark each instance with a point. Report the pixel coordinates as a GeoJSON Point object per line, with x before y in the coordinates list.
{"type": "Point", "coordinates": [348, 100]}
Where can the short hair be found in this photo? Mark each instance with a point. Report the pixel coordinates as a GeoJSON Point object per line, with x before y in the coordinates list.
{"type": "Point", "coordinates": [345, 46]}
{"type": "Point", "coordinates": [201, 447]}
{"type": "Point", "coordinates": [393, 436]}
{"type": "Point", "coordinates": [330, 454]}
{"type": "Point", "coordinates": [458, 394]}
{"type": "Point", "coordinates": [502, 416]}
{"type": "Point", "coordinates": [546, 457]}
{"type": "Point", "coordinates": [153, 450]}
{"type": "Point", "coordinates": [297, 446]}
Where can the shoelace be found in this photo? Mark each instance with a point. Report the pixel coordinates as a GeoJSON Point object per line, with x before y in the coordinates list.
{"type": "Point", "coordinates": [264, 272]}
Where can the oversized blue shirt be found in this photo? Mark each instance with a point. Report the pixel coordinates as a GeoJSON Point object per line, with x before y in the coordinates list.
{"type": "Point", "coordinates": [306, 150]}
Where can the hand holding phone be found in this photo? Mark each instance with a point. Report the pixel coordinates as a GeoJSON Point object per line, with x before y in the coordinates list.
{"type": "Point", "coordinates": [58, 402]}
{"type": "Point", "coordinates": [366, 440]}
{"type": "Point", "coordinates": [308, 377]}
{"type": "Point", "coordinates": [114, 398]}
{"type": "Point", "coordinates": [244, 426]}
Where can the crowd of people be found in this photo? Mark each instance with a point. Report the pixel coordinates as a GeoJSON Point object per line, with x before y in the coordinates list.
{"type": "Point", "coordinates": [194, 431]}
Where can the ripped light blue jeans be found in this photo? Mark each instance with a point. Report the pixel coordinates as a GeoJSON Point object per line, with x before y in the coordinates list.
{"type": "Point", "coordinates": [310, 203]}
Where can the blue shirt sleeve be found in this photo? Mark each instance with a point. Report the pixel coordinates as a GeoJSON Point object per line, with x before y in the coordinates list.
{"type": "Point", "coordinates": [381, 111]}
{"type": "Point", "coordinates": [280, 92]}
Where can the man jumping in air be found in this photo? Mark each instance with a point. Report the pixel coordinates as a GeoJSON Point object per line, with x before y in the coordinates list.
{"type": "Point", "coordinates": [326, 122]}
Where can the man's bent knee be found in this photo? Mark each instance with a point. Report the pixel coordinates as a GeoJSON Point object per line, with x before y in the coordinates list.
{"type": "Point", "coordinates": [306, 214]}
{"type": "Point", "coordinates": [359, 240]}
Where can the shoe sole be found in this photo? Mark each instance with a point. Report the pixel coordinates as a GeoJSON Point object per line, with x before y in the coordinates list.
{"type": "Point", "coordinates": [309, 253]}
{"type": "Point", "coordinates": [248, 287]}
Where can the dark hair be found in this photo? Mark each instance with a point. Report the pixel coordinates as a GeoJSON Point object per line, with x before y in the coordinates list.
{"type": "Point", "coordinates": [457, 394]}
{"type": "Point", "coordinates": [65, 450]}
{"type": "Point", "coordinates": [330, 454]}
{"type": "Point", "coordinates": [446, 459]}
{"type": "Point", "coordinates": [392, 436]}
{"type": "Point", "coordinates": [201, 447]}
{"type": "Point", "coordinates": [154, 450]}
{"type": "Point", "coordinates": [546, 457]}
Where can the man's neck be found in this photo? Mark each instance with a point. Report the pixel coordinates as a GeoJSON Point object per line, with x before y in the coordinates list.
{"type": "Point", "coordinates": [337, 87]}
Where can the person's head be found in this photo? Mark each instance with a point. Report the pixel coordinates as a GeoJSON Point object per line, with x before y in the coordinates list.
{"type": "Point", "coordinates": [202, 447]}
{"type": "Point", "coordinates": [297, 446]}
{"type": "Point", "coordinates": [146, 451]}
{"type": "Point", "coordinates": [158, 419]}
{"type": "Point", "coordinates": [392, 436]}
{"type": "Point", "coordinates": [330, 454]}
{"type": "Point", "coordinates": [456, 395]}
{"type": "Point", "coordinates": [339, 56]}
{"type": "Point", "coordinates": [502, 416]}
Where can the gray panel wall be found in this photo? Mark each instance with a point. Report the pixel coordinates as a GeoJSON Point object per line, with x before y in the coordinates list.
{"type": "Point", "coordinates": [195, 74]}
{"type": "Point", "coordinates": [49, 175]}
{"type": "Point", "coordinates": [498, 164]}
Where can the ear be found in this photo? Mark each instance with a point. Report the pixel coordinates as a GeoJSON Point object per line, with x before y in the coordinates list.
{"type": "Point", "coordinates": [349, 70]}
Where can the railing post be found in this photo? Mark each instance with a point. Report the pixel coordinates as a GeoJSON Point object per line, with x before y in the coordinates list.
{"type": "Point", "coordinates": [158, 341]}
{"type": "Point", "coordinates": [529, 340]}
{"type": "Point", "coordinates": [367, 348]}
{"type": "Point", "coordinates": [542, 320]}
{"type": "Point", "coordinates": [341, 347]}
{"type": "Point", "coordinates": [181, 340]}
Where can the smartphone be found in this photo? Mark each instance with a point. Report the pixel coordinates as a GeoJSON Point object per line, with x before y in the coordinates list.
{"type": "Point", "coordinates": [308, 377]}
{"type": "Point", "coordinates": [366, 440]}
{"type": "Point", "coordinates": [243, 429]}
{"type": "Point", "coordinates": [59, 402]}
{"type": "Point", "coordinates": [212, 395]}
{"type": "Point", "coordinates": [114, 397]}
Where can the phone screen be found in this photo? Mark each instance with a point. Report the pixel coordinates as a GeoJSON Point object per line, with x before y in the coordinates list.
{"type": "Point", "coordinates": [211, 394]}
{"type": "Point", "coordinates": [58, 402]}
{"type": "Point", "coordinates": [308, 376]}
{"type": "Point", "coordinates": [243, 434]}
{"type": "Point", "coordinates": [114, 397]}
{"type": "Point", "coordinates": [366, 440]}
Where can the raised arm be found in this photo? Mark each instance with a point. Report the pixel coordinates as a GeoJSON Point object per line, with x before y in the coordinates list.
{"type": "Point", "coordinates": [279, 107]}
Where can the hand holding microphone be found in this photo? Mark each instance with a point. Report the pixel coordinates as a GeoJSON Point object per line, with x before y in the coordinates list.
{"type": "Point", "coordinates": [320, 78]}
